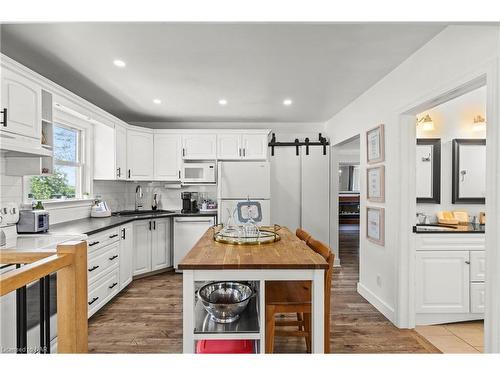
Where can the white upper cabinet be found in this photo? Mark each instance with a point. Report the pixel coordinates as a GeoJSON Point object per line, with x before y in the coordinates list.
{"type": "Point", "coordinates": [241, 146]}
{"type": "Point", "coordinates": [199, 146]}
{"type": "Point", "coordinates": [121, 152]}
{"type": "Point", "coordinates": [254, 146]}
{"type": "Point", "coordinates": [167, 157]}
{"type": "Point", "coordinates": [22, 99]}
{"type": "Point", "coordinates": [442, 282]}
{"type": "Point", "coordinates": [229, 146]}
{"type": "Point", "coordinates": [140, 154]}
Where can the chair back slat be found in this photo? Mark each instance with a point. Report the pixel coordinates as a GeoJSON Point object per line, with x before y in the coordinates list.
{"type": "Point", "coordinates": [302, 234]}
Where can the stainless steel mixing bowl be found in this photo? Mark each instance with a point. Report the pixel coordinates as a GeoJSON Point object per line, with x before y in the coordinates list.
{"type": "Point", "coordinates": [225, 300]}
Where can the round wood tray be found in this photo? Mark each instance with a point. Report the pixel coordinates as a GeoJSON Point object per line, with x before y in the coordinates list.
{"type": "Point", "coordinates": [268, 234]}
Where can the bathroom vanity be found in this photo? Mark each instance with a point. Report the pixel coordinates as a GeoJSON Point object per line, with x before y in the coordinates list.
{"type": "Point", "coordinates": [449, 273]}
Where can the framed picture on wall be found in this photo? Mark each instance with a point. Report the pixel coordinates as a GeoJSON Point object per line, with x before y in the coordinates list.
{"type": "Point", "coordinates": [375, 147]}
{"type": "Point", "coordinates": [375, 225]}
{"type": "Point", "coordinates": [375, 180]}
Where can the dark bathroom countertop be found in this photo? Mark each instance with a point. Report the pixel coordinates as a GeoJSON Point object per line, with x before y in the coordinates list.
{"type": "Point", "coordinates": [446, 229]}
{"type": "Point", "coordinates": [93, 225]}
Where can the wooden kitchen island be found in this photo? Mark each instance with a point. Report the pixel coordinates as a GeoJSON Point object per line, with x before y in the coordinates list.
{"type": "Point", "coordinates": [287, 259]}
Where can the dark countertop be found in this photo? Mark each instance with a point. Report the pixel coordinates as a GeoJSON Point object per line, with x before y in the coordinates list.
{"type": "Point", "coordinates": [92, 225]}
{"type": "Point", "coordinates": [446, 229]}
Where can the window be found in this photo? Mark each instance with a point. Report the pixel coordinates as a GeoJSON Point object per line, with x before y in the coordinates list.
{"type": "Point", "coordinates": [66, 181]}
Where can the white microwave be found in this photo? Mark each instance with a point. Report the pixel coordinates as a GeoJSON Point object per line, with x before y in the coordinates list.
{"type": "Point", "coordinates": [198, 173]}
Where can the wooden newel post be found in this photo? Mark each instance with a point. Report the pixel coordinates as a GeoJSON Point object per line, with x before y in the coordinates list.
{"type": "Point", "coordinates": [72, 322]}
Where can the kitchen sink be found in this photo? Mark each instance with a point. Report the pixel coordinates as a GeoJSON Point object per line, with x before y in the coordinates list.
{"type": "Point", "coordinates": [141, 212]}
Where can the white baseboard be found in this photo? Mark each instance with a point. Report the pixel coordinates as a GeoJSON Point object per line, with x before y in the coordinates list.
{"type": "Point", "coordinates": [380, 305]}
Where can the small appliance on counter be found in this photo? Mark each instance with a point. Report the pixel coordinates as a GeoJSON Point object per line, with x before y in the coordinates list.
{"type": "Point", "coordinates": [100, 209]}
{"type": "Point", "coordinates": [33, 221]}
{"type": "Point", "coordinates": [189, 202]}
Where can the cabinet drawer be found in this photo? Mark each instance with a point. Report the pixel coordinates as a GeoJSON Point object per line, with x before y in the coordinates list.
{"type": "Point", "coordinates": [99, 240]}
{"type": "Point", "coordinates": [477, 298]}
{"type": "Point", "coordinates": [99, 262]}
{"type": "Point", "coordinates": [450, 242]}
{"type": "Point", "coordinates": [477, 265]}
{"type": "Point", "coordinates": [102, 291]}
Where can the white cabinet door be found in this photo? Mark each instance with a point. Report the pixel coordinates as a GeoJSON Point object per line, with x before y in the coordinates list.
{"type": "Point", "coordinates": [23, 100]}
{"type": "Point", "coordinates": [126, 256]}
{"type": "Point", "coordinates": [160, 253]}
{"type": "Point", "coordinates": [167, 159]}
{"type": "Point", "coordinates": [142, 247]}
{"type": "Point", "coordinates": [442, 282]}
{"type": "Point", "coordinates": [254, 146]}
{"type": "Point", "coordinates": [187, 231]}
{"type": "Point", "coordinates": [199, 146]}
{"type": "Point", "coordinates": [140, 155]}
{"type": "Point", "coordinates": [477, 298]}
{"type": "Point", "coordinates": [229, 146]}
{"type": "Point", "coordinates": [121, 152]}
{"type": "Point", "coordinates": [477, 265]}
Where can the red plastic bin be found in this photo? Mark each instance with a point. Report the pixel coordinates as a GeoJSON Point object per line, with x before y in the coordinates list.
{"type": "Point", "coordinates": [224, 347]}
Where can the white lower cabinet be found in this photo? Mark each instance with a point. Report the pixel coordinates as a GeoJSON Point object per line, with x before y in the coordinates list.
{"type": "Point", "coordinates": [151, 245]}
{"type": "Point", "coordinates": [442, 282]}
{"type": "Point", "coordinates": [126, 256]}
{"type": "Point", "coordinates": [187, 231]}
{"type": "Point", "coordinates": [101, 291]}
{"type": "Point", "coordinates": [477, 298]}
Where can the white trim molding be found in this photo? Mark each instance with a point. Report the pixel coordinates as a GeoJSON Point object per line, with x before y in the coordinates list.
{"type": "Point", "coordinates": [379, 304]}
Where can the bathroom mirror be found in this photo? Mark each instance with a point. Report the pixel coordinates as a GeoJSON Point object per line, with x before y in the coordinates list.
{"type": "Point", "coordinates": [348, 178]}
{"type": "Point", "coordinates": [469, 171]}
{"type": "Point", "coordinates": [428, 170]}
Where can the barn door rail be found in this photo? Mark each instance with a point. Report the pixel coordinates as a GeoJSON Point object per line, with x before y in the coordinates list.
{"type": "Point", "coordinates": [322, 142]}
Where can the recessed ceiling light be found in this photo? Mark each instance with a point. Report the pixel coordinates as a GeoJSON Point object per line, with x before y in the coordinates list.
{"type": "Point", "coordinates": [157, 101]}
{"type": "Point", "coordinates": [119, 63]}
{"type": "Point", "coordinates": [222, 101]}
{"type": "Point", "coordinates": [287, 102]}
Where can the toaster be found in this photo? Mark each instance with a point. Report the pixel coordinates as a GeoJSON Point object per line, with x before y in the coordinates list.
{"type": "Point", "coordinates": [36, 221]}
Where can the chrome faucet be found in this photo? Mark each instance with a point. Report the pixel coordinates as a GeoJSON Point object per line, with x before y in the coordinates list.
{"type": "Point", "coordinates": [138, 197]}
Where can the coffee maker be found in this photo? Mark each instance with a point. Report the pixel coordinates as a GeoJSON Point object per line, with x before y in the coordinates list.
{"type": "Point", "coordinates": [189, 202]}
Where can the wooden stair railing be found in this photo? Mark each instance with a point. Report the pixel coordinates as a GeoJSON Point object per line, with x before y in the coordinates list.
{"type": "Point", "coordinates": [70, 263]}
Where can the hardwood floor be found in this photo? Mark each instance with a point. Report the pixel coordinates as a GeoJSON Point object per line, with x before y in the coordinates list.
{"type": "Point", "coordinates": [147, 317]}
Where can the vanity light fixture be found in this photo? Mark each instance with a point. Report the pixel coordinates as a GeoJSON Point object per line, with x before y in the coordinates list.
{"type": "Point", "coordinates": [222, 101]}
{"type": "Point", "coordinates": [426, 122]}
{"type": "Point", "coordinates": [479, 123]}
{"type": "Point", "coordinates": [119, 63]}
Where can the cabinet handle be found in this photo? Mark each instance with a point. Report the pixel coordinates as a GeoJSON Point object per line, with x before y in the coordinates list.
{"type": "Point", "coordinates": [112, 285]}
{"type": "Point", "coordinates": [183, 152]}
{"type": "Point", "coordinates": [93, 300]}
{"type": "Point", "coordinates": [93, 243]}
{"type": "Point", "coordinates": [113, 257]}
{"type": "Point", "coordinates": [179, 175]}
{"type": "Point", "coordinates": [123, 233]}
{"type": "Point", "coordinates": [244, 152]}
{"type": "Point", "coordinates": [149, 225]}
{"type": "Point", "coordinates": [113, 236]}
{"type": "Point", "coordinates": [93, 268]}
{"type": "Point", "coordinates": [129, 173]}
{"type": "Point", "coordinates": [4, 122]}
{"type": "Point", "coordinates": [239, 152]}
{"type": "Point", "coordinates": [154, 225]}
{"type": "Point", "coordinates": [119, 172]}
{"type": "Point", "coordinates": [467, 262]}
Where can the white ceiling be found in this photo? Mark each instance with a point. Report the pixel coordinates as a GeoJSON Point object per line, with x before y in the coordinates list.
{"type": "Point", "coordinates": [321, 67]}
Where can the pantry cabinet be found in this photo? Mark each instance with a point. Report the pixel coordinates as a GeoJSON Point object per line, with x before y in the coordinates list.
{"type": "Point", "coordinates": [241, 146]}
{"type": "Point", "coordinates": [21, 105]}
{"type": "Point", "coordinates": [151, 245]}
{"type": "Point", "coordinates": [140, 155]}
{"type": "Point", "coordinates": [167, 157]}
{"type": "Point", "coordinates": [199, 146]}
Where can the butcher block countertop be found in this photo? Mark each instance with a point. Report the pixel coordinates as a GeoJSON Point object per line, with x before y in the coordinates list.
{"type": "Point", "coordinates": [288, 253]}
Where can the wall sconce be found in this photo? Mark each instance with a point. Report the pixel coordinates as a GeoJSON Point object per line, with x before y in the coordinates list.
{"type": "Point", "coordinates": [479, 123]}
{"type": "Point", "coordinates": [426, 122]}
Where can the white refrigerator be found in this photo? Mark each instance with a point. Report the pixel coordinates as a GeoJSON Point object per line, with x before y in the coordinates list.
{"type": "Point", "coordinates": [239, 181]}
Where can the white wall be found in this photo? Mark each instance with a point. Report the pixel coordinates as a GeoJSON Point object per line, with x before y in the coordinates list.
{"type": "Point", "coordinates": [453, 119]}
{"type": "Point", "coordinates": [452, 54]}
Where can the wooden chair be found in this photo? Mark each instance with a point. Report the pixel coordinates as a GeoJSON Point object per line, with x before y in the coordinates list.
{"type": "Point", "coordinates": [295, 297]}
{"type": "Point", "coordinates": [302, 234]}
